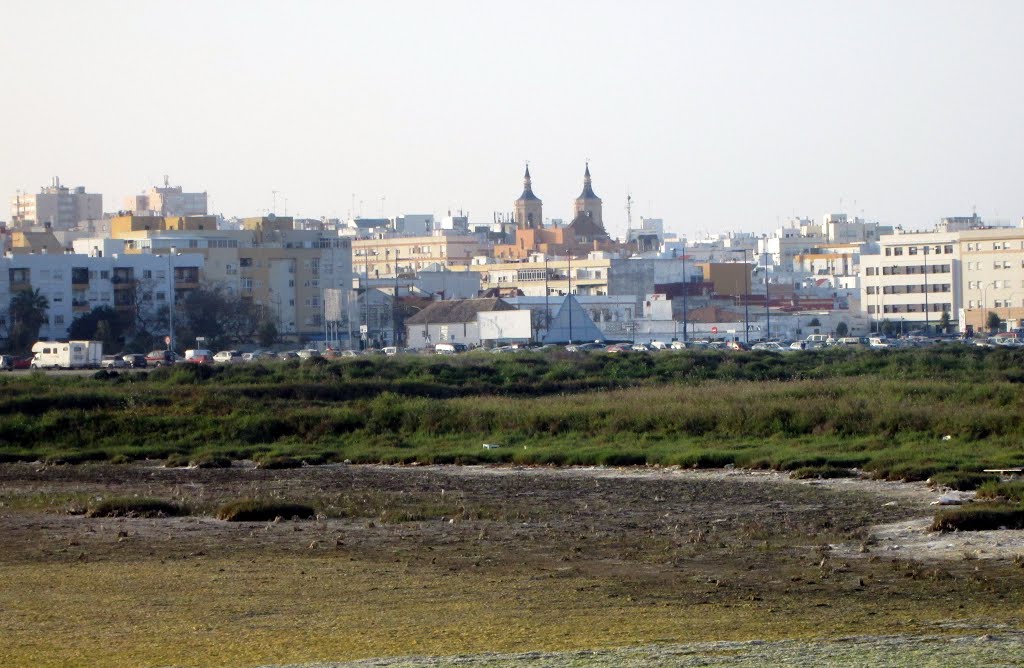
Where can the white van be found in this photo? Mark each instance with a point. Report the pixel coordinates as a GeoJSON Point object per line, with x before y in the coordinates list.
{"type": "Point", "coordinates": [816, 341]}
{"type": "Point", "coordinates": [70, 355]}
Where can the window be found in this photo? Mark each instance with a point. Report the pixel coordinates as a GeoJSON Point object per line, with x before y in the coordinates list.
{"type": "Point", "coordinates": [897, 251]}
{"type": "Point", "coordinates": [245, 261]}
{"type": "Point", "coordinates": [58, 320]}
{"type": "Point", "coordinates": [948, 249]}
{"type": "Point", "coordinates": [161, 296]}
{"type": "Point", "coordinates": [912, 250]}
{"type": "Point", "coordinates": [104, 274]}
{"type": "Point", "coordinates": [970, 304]}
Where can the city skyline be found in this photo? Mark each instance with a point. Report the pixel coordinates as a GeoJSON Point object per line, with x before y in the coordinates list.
{"type": "Point", "coordinates": [730, 117]}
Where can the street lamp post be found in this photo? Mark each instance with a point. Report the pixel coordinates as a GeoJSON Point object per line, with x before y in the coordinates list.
{"type": "Point", "coordinates": [767, 312]}
{"type": "Point", "coordinates": [170, 313]}
{"type": "Point", "coordinates": [686, 288]}
{"type": "Point", "coordinates": [746, 295]}
{"type": "Point", "coordinates": [927, 319]}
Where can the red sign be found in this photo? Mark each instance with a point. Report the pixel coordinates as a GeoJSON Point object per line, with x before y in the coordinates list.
{"type": "Point", "coordinates": [714, 330]}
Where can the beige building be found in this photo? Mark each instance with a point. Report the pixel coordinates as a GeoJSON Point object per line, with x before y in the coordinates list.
{"type": "Point", "coordinates": [552, 277]}
{"type": "Point", "coordinates": [268, 262]}
{"type": "Point", "coordinates": [386, 257]}
{"type": "Point", "coordinates": [167, 201]}
{"type": "Point", "coordinates": [58, 206]}
{"type": "Point", "coordinates": [993, 277]}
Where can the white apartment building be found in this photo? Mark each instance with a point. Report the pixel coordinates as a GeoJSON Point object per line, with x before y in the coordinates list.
{"type": "Point", "coordinates": [58, 206]}
{"type": "Point", "coordinates": [74, 283]}
{"type": "Point", "coordinates": [914, 279]}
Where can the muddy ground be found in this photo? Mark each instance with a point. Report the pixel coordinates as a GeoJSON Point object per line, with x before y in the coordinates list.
{"type": "Point", "coordinates": [449, 560]}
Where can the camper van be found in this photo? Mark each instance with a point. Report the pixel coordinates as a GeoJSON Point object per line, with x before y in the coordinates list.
{"type": "Point", "coordinates": [816, 341]}
{"type": "Point", "coordinates": [67, 355]}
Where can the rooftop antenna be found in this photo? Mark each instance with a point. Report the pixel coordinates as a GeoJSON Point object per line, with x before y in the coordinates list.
{"type": "Point", "coordinates": [167, 181]}
{"type": "Point", "coordinates": [629, 215]}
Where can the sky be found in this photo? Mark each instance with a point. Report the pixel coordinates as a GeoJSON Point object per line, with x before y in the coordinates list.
{"type": "Point", "coordinates": [714, 116]}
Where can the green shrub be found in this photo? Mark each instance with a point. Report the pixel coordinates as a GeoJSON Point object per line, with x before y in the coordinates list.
{"type": "Point", "coordinates": [821, 472]}
{"type": "Point", "coordinates": [177, 460]}
{"type": "Point", "coordinates": [279, 462]}
{"type": "Point", "coordinates": [622, 459]}
{"type": "Point", "coordinates": [256, 510]}
{"type": "Point", "coordinates": [135, 507]}
{"type": "Point", "coordinates": [979, 517]}
{"type": "Point", "coordinates": [995, 489]}
{"type": "Point", "coordinates": [208, 461]}
{"type": "Point", "coordinates": [962, 481]}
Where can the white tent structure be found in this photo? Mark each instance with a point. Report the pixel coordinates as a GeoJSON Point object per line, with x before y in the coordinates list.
{"type": "Point", "coordinates": [572, 324]}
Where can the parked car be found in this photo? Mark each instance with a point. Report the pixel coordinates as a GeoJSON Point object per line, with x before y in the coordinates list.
{"type": "Point", "coordinates": [585, 347]}
{"type": "Point", "coordinates": [308, 353]}
{"type": "Point", "coordinates": [256, 356]}
{"type": "Point", "coordinates": [768, 345]}
{"type": "Point", "coordinates": [24, 362]}
{"type": "Point", "coordinates": [199, 356]}
{"type": "Point", "coordinates": [228, 357]}
{"type": "Point", "coordinates": [618, 348]}
{"type": "Point", "coordinates": [288, 355]}
{"type": "Point", "coordinates": [6, 362]}
{"type": "Point", "coordinates": [135, 360]}
{"type": "Point", "coordinates": [161, 358]}
{"type": "Point", "coordinates": [737, 345]}
{"type": "Point", "coordinates": [113, 362]}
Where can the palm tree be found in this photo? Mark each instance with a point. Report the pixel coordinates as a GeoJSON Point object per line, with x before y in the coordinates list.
{"type": "Point", "coordinates": [28, 313]}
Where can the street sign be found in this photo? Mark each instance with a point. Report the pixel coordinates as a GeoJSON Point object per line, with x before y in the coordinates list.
{"type": "Point", "coordinates": [714, 330]}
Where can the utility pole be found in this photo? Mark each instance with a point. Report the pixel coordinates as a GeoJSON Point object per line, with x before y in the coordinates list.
{"type": "Point", "coordinates": [686, 289]}
{"type": "Point", "coordinates": [568, 296]}
{"type": "Point", "coordinates": [927, 323]}
{"type": "Point", "coordinates": [767, 311]}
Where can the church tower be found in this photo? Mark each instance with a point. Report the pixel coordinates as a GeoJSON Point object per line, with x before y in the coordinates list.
{"type": "Point", "coordinates": [528, 208]}
{"type": "Point", "coordinates": [588, 205]}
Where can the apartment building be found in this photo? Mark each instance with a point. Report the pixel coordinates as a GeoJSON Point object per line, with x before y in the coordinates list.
{"type": "Point", "coordinates": [993, 277]}
{"type": "Point", "coordinates": [914, 278]}
{"type": "Point", "coordinates": [58, 206]}
{"type": "Point", "coordinates": [267, 261]}
{"type": "Point", "coordinates": [387, 256]}
{"type": "Point", "coordinates": [167, 201]}
{"type": "Point", "coordinates": [76, 283]}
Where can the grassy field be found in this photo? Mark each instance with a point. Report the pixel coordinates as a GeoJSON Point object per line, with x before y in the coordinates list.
{"type": "Point", "coordinates": [901, 414]}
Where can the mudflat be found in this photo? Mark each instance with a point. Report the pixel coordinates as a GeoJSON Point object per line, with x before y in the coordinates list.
{"type": "Point", "coordinates": [491, 561]}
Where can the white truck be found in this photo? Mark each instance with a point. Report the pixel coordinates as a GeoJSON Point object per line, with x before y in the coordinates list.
{"type": "Point", "coordinates": [67, 354]}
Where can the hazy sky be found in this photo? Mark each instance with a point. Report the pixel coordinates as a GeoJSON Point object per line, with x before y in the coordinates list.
{"type": "Point", "coordinates": [717, 115]}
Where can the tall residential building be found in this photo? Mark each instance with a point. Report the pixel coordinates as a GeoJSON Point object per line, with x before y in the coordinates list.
{"type": "Point", "coordinates": [268, 262]}
{"type": "Point", "coordinates": [993, 277]}
{"type": "Point", "coordinates": [914, 279]}
{"type": "Point", "coordinates": [167, 201]}
{"type": "Point", "coordinates": [58, 206]}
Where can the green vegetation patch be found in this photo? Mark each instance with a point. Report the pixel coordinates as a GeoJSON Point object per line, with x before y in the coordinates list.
{"type": "Point", "coordinates": [822, 472]}
{"type": "Point", "coordinates": [962, 481]}
{"type": "Point", "coordinates": [262, 510]}
{"type": "Point", "coordinates": [979, 517]}
{"type": "Point", "coordinates": [1008, 491]}
{"type": "Point", "coordinates": [135, 507]}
